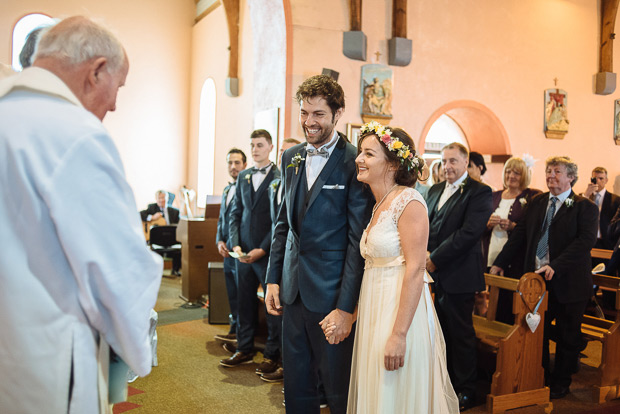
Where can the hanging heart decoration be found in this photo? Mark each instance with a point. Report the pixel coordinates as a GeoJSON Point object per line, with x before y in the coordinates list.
{"type": "Point", "coordinates": [532, 318]}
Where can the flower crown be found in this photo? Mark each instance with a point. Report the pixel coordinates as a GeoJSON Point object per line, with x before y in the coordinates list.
{"type": "Point", "coordinates": [403, 152]}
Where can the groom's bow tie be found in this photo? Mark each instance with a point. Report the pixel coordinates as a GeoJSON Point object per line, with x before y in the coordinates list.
{"type": "Point", "coordinates": [322, 152]}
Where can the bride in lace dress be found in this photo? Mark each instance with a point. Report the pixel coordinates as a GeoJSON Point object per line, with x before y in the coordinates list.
{"type": "Point", "coordinates": [399, 362]}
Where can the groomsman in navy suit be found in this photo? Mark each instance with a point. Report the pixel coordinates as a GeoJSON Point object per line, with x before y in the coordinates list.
{"type": "Point", "coordinates": [276, 188]}
{"type": "Point", "coordinates": [558, 231]}
{"type": "Point", "coordinates": [458, 211]}
{"type": "Point", "coordinates": [250, 236]}
{"type": "Point", "coordinates": [315, 268]}
{"type": "Point", "coordinates": [237, 162]}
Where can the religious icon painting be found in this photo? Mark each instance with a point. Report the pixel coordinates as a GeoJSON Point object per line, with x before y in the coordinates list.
{"type": "Point", "coordinates": [617, 121]}
{"type": "Point", "coordinates": [556, 118]}
{"type": "Point", "coordinates": [376, 92]}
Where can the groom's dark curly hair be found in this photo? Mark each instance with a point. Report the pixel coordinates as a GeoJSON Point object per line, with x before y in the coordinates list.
{"type": "Point", "coordinates": [323, 86]}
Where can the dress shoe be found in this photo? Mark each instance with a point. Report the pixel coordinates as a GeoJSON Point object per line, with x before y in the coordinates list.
{"type": "Point", "coordinates": [465, 402]}
{"type": "Point", "coordinates": [275, 376]}
{"type": "Point", "coordinates": [228, 347]}
{"type": "Point", "coordinates": [558, 392]}
{"type": "Point", "coordinates": [267, 367]}
{"type": "Point", "coordinates": [231, 337]}
{"type": "Point", "coordinates": [237, 359]}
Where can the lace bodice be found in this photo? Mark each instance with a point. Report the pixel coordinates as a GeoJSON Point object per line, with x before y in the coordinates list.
{"type": "Point", "coordinates": [382, 240]}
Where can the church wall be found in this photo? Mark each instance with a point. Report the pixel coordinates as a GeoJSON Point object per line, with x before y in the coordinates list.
{"type": "Point", "coordinates": [501, 54]}
{"type": "Point", "coordinates": [150, 124]}
{"type": "Point", "coordinates": [234, 115]}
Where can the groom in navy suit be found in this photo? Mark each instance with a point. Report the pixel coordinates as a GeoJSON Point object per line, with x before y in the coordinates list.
{"type": "Point", "coordinates": [315, 268]}
{"type": "Point", "coordinates": [458, 211]}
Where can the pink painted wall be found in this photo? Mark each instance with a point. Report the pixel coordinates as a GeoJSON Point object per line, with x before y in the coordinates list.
{"type": "Point", "coordinates": [150, 125]}
{"type": "Point", "coordinates": [234, 116]}
{"type": "Point", "coordinates": [502, 54]}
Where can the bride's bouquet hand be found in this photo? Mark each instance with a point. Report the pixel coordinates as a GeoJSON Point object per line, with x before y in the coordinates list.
{"type": "Point", "coordinates": [395, 352]}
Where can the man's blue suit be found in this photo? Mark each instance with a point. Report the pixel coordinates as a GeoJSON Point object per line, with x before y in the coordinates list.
{"type": "Point", "coordinates": [250, 228]}
{"type": "Point", "coordinates": [316, 261]}
{"type": "Point", "coordinates": [229, 262]}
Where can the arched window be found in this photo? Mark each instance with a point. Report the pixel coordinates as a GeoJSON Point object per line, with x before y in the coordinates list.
{"type": "Point", "coordinates": [443, 131]}
{"type": "Point", "coordinates": [22, 29]}
{"type": "Point", "coordinates": [206, 141]}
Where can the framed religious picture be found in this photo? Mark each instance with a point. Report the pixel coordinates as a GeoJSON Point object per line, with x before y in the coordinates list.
{"type": "Point", "coordinates": [376, 92]}
{"type": "Point", "coordinates": [353, 133]}
{"type": "Point", "coordinates": [556, 118]}
{"type": "Point", "coordinates": [617, 121]}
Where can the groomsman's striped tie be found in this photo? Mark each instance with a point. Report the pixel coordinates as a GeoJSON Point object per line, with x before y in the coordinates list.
{"type": "Point", "coordinates": [543, 243]}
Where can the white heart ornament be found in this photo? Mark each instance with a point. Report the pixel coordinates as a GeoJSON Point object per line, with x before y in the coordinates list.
{"type": "Point", "coordinates": [532, 320]}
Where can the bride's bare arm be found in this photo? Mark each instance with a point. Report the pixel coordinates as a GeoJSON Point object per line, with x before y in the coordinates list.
{"type": "Point", "coordinates": [413, 232]}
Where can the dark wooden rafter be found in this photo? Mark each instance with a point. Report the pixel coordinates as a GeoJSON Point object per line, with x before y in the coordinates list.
{"type": "Point", "coordinates": [399, 18]}
{"type": "Point", "coordinates": [609, 9]}
{"type": "Point", "coordinates": [232, 17]}
{"type": "Point", "coordinates": [355, 9]}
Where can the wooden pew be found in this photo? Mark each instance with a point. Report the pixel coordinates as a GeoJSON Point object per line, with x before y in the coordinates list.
{"type": "Point", "coordinates": [518, 380]}
{"type": "Point", "coordinates": [608, 333]}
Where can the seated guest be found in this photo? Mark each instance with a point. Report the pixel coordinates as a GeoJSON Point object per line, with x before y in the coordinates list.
{"type": "Point", "coordinates": [508, 207]}
{"type": "Point", "coordinates": [557, 232]}
{"type": "Point", "coordinates": [157, 210]}
{"type": "Point", "coordinates": [607, 203]}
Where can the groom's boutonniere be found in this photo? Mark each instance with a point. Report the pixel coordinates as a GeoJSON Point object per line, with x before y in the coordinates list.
{"type": "Point", "coordinates": [274, 185]}
{"type": "Point", "coordinates": [248, 177]}
{"type": "Point", "coordinates": [523, 201]}
{"type": "Point", "coordinates": [569, 202]}
{"type": "Point", "coordinates": [295, 162]}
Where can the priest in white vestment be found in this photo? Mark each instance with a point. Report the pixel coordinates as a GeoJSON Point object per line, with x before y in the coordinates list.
{"type": "Point", "coordinates": [75, 273]}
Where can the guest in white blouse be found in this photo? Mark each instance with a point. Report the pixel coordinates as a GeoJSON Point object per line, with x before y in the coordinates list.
{"type": "Point", "coordinates": [508, 208]}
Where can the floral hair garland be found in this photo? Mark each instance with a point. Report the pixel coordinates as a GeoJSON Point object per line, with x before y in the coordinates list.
{"type": "Point", "coordinates": [403, 152]}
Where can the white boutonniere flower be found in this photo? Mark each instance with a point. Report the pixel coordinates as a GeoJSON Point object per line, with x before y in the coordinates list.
{"type": "Point", "coordinates": [274, 185]}
{"type": "Point", "coordinates": [523, 201]}
{"type": "Point", "coordinates": [462, 185]}
{"type": "Point", "coordinates": [569, 202]}
{"type": "Point", "coordinates": [248, 177]}
{"type": "Point", "coordinates": [295, 162]}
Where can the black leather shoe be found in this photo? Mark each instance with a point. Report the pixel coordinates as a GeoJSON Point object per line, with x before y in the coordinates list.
{"type": "Point", "coordinates": [465, 402]}
{"type": "Point", "coordinates": [266, 367]}
{"type": "Point", "coordinates": [237, 359]}
{"type": "Point", "coordinates": [230, 348]}
{"type": "Point", "coordinates": [559, 392]}
{"type": "Point", "coordinates": [275, 376]}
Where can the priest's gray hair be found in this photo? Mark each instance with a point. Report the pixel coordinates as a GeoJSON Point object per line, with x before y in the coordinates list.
{"type": "Point", "coordinates": [78, 39]}
{"type": "Point", "coordinates": [571, 168]}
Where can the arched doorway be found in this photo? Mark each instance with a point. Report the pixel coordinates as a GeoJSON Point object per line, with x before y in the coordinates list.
{"type": "Point", "coordinates": [483, 131]}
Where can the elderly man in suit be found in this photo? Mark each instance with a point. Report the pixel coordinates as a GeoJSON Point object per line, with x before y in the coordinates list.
{"type": "Point", "coordinates": [558, 232]}
{"type": "Point", "coordinates": [160, 209]}
{"type": "Point", "coordinates": [236, 161]}
{"type": "Point", "coordinates": [607, 203]}
{"type": "Point", "coordinates": [250, 236]}
{"type": "Point", "coordinates": [458, 209]}
{"type": "Point", "coordinates": [315, 268]}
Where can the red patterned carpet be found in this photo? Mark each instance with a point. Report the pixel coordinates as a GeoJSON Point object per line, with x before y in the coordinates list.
{"type": "Point", "coordinates": [127, 406]}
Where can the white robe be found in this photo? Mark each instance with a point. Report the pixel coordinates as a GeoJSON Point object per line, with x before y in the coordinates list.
{"type": "Point", "coordinates": [73, 261]}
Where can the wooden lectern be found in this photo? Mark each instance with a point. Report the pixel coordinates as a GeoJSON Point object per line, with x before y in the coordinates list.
{"type": "Point", "coordinates": [197, 238]}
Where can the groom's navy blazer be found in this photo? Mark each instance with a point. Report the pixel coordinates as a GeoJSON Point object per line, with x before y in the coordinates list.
{"type": "Point", "coordinates": [321, 260]}
{"type": "Point", "coordinates": [454, 241]}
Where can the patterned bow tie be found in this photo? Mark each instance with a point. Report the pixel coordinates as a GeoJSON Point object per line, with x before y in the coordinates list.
{"type": "Point", "coordinates": [322, 152]}
{"type": "Point", "coordinates": [260, 170]}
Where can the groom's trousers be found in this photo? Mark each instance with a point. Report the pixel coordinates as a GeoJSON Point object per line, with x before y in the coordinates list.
{"type": "Point", "coordinates": [305, 351]}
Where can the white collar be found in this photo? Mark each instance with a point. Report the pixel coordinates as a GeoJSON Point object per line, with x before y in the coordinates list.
{"type": "Point", "coordinates": [38, 80]}
{"type": "Point", "coordinates": [459, 181]}
{"type": "Point", "coordinates": [561, 197]}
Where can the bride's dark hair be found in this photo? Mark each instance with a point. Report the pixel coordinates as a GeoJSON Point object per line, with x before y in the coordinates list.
{"type": "Point", "coordinates": [406, 173]}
